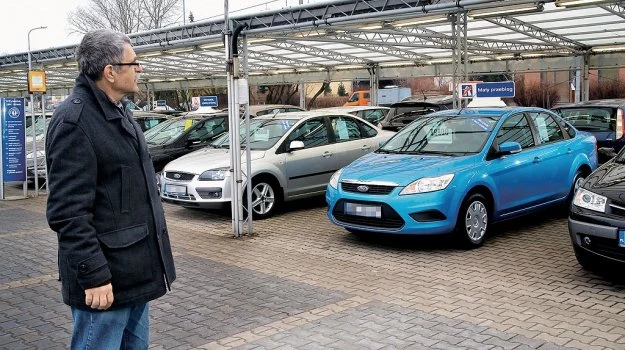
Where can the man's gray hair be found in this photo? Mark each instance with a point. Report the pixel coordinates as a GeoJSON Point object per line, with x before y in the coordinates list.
{"type": "Point", "coordinates": [98, 49]}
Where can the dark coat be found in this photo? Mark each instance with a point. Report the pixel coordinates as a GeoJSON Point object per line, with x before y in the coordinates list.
{"type": "Point", "coordinates": [103, 202]}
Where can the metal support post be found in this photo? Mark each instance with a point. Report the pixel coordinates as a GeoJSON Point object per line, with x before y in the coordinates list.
{"type": "Point", "coordinates": [302, 95]}
{"type": "Point", "coordinates": [248, 148]}
{"type": "Point", "coordinates": [586, 78]}
{"type": "Point", "coordinates": [455, 63]}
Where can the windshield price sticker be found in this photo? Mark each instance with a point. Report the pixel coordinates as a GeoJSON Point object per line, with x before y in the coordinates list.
{"type": "Point", "coordinates": [440, 134]}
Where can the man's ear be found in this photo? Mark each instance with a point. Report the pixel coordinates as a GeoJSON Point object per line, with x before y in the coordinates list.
{"type": "Point", "coordinates": [109, 74]}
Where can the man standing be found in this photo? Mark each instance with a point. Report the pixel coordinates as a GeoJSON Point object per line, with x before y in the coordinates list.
{"type": "Point", "coordinates": [114, 250]}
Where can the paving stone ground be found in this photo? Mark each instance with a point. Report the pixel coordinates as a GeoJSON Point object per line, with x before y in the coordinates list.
{"type": "Point", "coordinates": [301, 283]}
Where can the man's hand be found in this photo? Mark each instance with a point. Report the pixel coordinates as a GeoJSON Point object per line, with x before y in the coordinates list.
{"type": "Point", "coordinates": [99, 298]}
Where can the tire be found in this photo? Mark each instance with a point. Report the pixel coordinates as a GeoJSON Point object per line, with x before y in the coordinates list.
{"type": "Point", "coordinates": [266, 198]}
{"type": "Point", "coordinates": [473, 220]}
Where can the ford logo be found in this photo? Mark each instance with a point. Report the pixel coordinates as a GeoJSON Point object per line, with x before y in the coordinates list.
{"type": "Point", "coordinates": [362, 188]}
{"type": "Point", "coordinates": [177, 176]}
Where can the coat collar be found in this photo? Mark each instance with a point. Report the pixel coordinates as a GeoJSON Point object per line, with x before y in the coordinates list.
{"type": "Point", "coordinates": [110, 111]}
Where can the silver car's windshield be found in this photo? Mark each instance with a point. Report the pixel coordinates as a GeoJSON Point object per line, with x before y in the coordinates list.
{"type": "Point", "coordinates": [447, 135]}
{"type": "Point", "coordinates": [168, 131]}
{"type": "Point", "coordinates": [264, 133]}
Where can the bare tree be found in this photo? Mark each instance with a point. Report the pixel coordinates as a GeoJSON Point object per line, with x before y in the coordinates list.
{"type": "Point", "coordinates": [126, 16]}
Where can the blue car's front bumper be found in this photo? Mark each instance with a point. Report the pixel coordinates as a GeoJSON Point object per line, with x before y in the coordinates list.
{"type": "Point", "coordinates": [418, 214]}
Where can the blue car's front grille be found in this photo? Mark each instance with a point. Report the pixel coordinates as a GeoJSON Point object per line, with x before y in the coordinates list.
{"type": "Point", "coordinates": [366, 188]}
{"type": "Point", "coordinates": [390, 218]}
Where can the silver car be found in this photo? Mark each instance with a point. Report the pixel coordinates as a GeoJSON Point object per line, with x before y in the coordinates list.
{"type": "Point", "coordinates": [293, 156]}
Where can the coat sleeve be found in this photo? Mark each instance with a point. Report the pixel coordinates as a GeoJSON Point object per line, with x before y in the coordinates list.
{"type": "Point", "coordinates": [72, 181]}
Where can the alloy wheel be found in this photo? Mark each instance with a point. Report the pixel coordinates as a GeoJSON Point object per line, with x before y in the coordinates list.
{"type": "Point", "coordinates": [263, 198]}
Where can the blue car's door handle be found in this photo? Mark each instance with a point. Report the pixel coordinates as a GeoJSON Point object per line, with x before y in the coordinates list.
{"type": "Point", "coordinates": [536, 159]}
{"type": "Point", "coordinates": [569, 151]}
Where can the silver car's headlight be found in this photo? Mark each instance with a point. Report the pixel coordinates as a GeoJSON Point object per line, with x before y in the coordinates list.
{"type": "Point", "coordinates": [590, 200]}
{"type": "Point", "coordinates": [428, 184]}
{"type": "Point", "coordinates": [334, 180]}
{"type": "Point", "coordinates": [214, 174]}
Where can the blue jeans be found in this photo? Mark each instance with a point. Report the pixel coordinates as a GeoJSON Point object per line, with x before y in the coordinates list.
{"type": "Point", "coordinates": [119, 328]}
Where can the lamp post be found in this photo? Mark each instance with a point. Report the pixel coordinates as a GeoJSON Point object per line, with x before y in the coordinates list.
{"type": "Point", "coordinates": [32, 115]}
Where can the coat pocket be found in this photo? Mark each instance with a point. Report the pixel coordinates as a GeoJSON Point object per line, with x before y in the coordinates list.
{"type": "Point", "coordinates": [128, 255]}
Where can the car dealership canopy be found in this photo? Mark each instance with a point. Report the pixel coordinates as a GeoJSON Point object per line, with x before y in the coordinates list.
{"type": "Point", "coordinates": [361, 39]}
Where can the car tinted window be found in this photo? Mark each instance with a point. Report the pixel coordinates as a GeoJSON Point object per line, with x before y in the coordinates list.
{"type": "Point", "coordinates": [208, 129]}
{"type": "Point", "coordinates": [547, 126]}
{"type": "Point", "coordinates": [151, 122]}
{"type": "Point", "coordinates": [345, 129]}
{"type": "Point", "coordinates": [516, 129]}
{"type": "Point", "coordinates": [367, 131]}
{"type": "Point", "coordinates": [168, 131]}
{"type": "Point", "coordinates": [312, 132]}
{"type": "Point", "coordinates": [373, 115]}
{"type": "Point", "coordinates": [590, 118]}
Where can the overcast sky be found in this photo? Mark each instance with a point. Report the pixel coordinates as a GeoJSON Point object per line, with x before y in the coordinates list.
{"type": "Point", "coordinates": [19, 16]}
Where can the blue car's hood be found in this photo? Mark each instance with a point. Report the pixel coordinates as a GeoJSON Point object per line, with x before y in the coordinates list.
{"type": "Point", "coordinates": [404, 169]}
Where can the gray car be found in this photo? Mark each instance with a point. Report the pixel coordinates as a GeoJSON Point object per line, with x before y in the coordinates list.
{"type": "Point", "coordinates": [293, 155]}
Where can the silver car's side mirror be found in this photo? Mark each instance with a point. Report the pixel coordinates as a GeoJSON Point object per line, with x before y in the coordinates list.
{"type": "Point", "coordinates": [295, 145]}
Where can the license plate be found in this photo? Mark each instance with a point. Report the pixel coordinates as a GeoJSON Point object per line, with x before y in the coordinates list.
{"type": "Point", "coordinates": [177, 190]}
{"type": "Point", "coordinates": [370, 211]}
{"type": "Point", "coordinates": [621, 238]}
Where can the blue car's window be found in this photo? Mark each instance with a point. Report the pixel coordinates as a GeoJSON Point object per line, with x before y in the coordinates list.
{"type": "Point", "coordinates": [516, 129]}
{"type": "Point", "coordinates": [450, 135]}
{"type": "Point", "coordinates": [547, 126]}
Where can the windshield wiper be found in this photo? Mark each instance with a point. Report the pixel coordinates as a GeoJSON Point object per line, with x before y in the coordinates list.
{"type": "Point", "coordinates": [451, 154]}
{"type": "Point", "coordinates": [386, 151]}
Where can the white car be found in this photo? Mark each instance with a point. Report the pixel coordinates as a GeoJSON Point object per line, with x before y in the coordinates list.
{"type": "Point", "coordinates": [293, 155]}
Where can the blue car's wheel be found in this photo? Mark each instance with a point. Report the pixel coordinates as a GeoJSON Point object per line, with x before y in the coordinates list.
{"type": "Point", "coordinates": [472, 222]}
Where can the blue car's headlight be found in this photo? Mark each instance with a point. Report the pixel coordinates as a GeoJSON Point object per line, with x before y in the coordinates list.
{"type": "Point", "coordinates": [428, 184]}
{"type": "Point", "coordinates": [214, 174]}
{"type": "Point", "coordinates": [334, 180]}
{"type": "Point", "coordinates": [590, 200]}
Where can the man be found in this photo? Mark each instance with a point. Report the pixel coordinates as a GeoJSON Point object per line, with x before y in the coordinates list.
{"type": "Point", "coordinates": [114, 250]}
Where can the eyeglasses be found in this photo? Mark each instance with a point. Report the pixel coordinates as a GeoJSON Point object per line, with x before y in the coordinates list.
{"type": "Point", "coordinates": [137, 64]}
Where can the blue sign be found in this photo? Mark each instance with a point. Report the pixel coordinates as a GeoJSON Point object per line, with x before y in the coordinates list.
{"type": "Point", "coordinates": [13, 139]}
{"type": "Point", "coordinates": [497, 89]}
{"type": "Point", "coordinates": [161, 103]}
{"type": "Point", "coordinates": [466, 90]}
{"type": "Point", "coordinates": [208, 101]}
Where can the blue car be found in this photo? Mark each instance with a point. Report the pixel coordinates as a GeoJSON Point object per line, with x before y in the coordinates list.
{"type": "Point", "coordinates": [457, 171]}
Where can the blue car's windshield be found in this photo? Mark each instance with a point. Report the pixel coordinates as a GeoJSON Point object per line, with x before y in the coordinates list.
{"type": "Point", "coordinates": [264, 133]}
{"type": "Point", "coordinates": [448, 135]}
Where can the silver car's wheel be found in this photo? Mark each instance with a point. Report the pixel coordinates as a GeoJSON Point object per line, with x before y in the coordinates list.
{"type": "Point", "coordinates": [473, 221]}
{"type": "Point", "coordinates": [265, 199]}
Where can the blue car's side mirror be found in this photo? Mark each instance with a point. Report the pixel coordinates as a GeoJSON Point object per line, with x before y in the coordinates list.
{"type": "Point", "coordinates": [509, 147]}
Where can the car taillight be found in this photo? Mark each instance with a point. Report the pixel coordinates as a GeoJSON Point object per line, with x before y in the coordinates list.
{"type": "Point", "coordinates": [620, 123]}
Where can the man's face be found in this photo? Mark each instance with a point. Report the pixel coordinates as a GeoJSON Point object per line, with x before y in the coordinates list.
{"type": "Point", "coordinates": [128, 72]}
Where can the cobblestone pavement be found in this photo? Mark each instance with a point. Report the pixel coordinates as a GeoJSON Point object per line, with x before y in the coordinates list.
{"type": "Point", "coordinates": [301, 283]}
